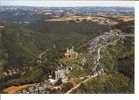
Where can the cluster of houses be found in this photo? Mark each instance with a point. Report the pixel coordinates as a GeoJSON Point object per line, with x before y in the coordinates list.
{"type": "Point", "coordinates": [49, 85]}
{"type": "Point", "coordinates": [62, 71]}
{"type": "Point", "coordinates": [35, 89]}
{"type": "Point", "coordinates": [14, 71]}
{"type": "Point", "coordinates": [103, 39]}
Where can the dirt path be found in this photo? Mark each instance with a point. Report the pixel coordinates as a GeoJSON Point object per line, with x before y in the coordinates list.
{"type": "Point", "coordinates": [14, 89]}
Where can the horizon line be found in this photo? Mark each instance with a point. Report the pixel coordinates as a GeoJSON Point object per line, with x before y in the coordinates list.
{"type": "Point", "coordinates": [63, 7]}
{"type": "Point", "coordinates": [65, 3]}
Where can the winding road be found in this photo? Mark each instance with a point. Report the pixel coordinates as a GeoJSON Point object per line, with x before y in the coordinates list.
{"type": "Point", "coordinates": [98, 62]}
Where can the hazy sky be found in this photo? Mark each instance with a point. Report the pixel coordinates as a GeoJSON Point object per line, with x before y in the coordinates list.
{"type": "Point", "coordinates": [64, 3]}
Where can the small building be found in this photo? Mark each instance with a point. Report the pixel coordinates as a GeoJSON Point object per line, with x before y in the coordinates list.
{"type": "Point", "coordinates": [71, 54]}
{"type": "Point", "coordinates": [51, 80]}
{"type": "Point", "coordinates": [62, 73]}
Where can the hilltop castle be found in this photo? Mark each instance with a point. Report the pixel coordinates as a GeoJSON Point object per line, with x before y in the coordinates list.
{"type": "Point", "coordinates": [71, 54]}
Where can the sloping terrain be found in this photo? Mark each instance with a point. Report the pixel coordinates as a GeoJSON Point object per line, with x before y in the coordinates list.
{"type": "Point", "coordinates": [31, 52]}
{"type": "Point", "coordinates": [117, 60]}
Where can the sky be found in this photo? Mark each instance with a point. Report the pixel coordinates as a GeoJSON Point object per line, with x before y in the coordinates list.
{"type": "Point", "coordinates": [65, 3]}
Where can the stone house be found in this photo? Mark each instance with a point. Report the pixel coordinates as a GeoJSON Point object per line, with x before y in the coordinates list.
{"type": "Point", "coordinates": [62, 73]}
{"type": "Point", "coordinates": [71, 54]}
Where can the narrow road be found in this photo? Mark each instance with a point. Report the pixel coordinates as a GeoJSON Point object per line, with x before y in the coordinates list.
{"type": "Point", "coordinates": [97, 63]}
{"type": "Point", "coordinates": [78, 85]}
{"type": "Point", "coordinates": [41, 54]}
